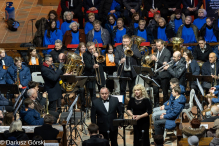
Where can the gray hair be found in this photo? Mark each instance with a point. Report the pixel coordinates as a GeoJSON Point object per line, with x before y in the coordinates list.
{"type": "Point", "coordinates": [70, 26]}
{"type": "Point", "coordinates": [66, 13]}
{"type": "Point", "coordinates": [30, 92]}
{"type": "Point", "coordinates": [90, 44]}
{"type": "Point", "coordinates": [58, 41]}
{"type": "Point", "coordinates": [15, 126]}
{"type": "Point", "coordinates": [215, 110]}
{"type": "Point", "coordinates": [204, 11]}
{"type": "Point", "coordinates": [47, 58]}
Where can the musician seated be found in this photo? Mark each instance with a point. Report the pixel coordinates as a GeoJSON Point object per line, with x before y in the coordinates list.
{"type": "Point", "coordinates": [74, 35]}
{"type": "Point", "coordinates": [18, 74]}
{"type": "Point", "coordinates": [59, 48]}
{"type": "Point", "coordinates": [95, 138]}
{"type": "Point", "coordinates": [81, 50]}
{"type": "Point", "coordinates": [29, 115]}
{"type": "Point", "coordinates": [210, 68]}
{"type": "Point", "coordinates": [215, 141]}
{"type": "Point", "coordinates": [167, 120]}
{"type": "Point", "coordinates": [212, 131]}
{"type": "Point", "coordinates": [143, 31]}
{"type": "Point", "coordinates": [46, 130]}
{"type": "Point", "coordinates": [178, 69]}
{"type": "Point", "coordinates": [33, 58]}
{"type": "Point", "coordinates": [214, 114]}
{"type": "Point", "coordinates": [98, 33]}
{"type": "Point", "coordinates": [16, 131]}
{"type": "Point", "coordinates": [166, 106]}
{"type": "Point", "coordinates": [119, 30]}
{"type": "Point", "coordinates": [153, 47]}
{"type": "Point", "coordinates": [5, 60]}
{"type": "Point", "coordinates": [32, 94]}
{"type": "Point", "coordinates": [201, 20]}
{"type": "Point", "coordinates": [2, 75]}
{"type": "Point", "coordinates": [89, 24]}
{"type": "Point", "coordinates": [202, 50]}
{"type": "Point", "coordinates": [195, 129]}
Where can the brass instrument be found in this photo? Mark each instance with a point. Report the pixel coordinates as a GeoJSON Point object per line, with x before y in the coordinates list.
{"type": "Point", "coordinates": [200, 63]}
{"type": "Point", "coordinates": [99, 59]}
{"type": "Point", "coordinates": [176, 43]}
{"type": "Point", "coordinates": [161, 68]}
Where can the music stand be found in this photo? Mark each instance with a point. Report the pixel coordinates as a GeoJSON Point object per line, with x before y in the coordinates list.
{"type": "Point", "coordinates": [35, 68]}
{"type": "Point", "coordinates": [143, 70]}
{"type": "Point", "coordinates": [9, 89]}
{"type": "Point", "coordinates": [124, 123]}
{"type": "Point", "coordinates": [149, 81]}
{"type": "Point", "coordinates": [117, 77]}
{"type": "Point", "coordinates": [109, 69]}
{"type": "Point", "coordinates": [18, 98]}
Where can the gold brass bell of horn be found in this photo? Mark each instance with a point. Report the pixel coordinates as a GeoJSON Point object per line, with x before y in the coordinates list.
{"type": "Point", "coordinates": [138, 40]}
{"type": "Point", "coordinates": [128, 52]}
{"type": "Point", "coordinates": [176, 43]}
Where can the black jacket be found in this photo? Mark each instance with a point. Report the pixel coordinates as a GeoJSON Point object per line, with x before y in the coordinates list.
{"type": "Point", "coordinates": [198, 55]}
{"type": "Point", "coordinates": [132, 4]}
{"type": "Point", "coordinates": [104, 119]}
{"type": "Point", "coordinates": [215, 24]}
{"type": "Point", "coordinates": [203, 31]}
{"type": "Point", "coordinates": [55, 54]}
{"type": "Point", "coordinates": [206, 68]}
{"type": "Point", "coordinates": [172, 4]}
{"type": "Point", "coordinates": [187, 3]}
{"type": "Point", "coordinates": [195, 69]}
{"type": "Point", "coordinates": [165, 57]}
{"type": "Point", "coordinates": [134, 60]}
{"type": "Point", "coordinates": [51, 79]}
{"type": "Point", "coordinates": [77, 5]}
{"type": "Point", "coordinates": [179, 71]}
{"type": "Point", "coordinates": [89, 70]}
{"type": "Point", "coordinates": [169, 31]}
{"type": "Point", "coordinates": [148, 4]}
{"type": "Point", "coordinates": [104, 9]}
{"type": "Point", "coordinates": [95, 141]}
{"type": "Point", "coordinates": [19, 135]}
{"type": "Point", "coordinates": [47, 132]}
{"type": "Point", "coordinates": [88, 4]}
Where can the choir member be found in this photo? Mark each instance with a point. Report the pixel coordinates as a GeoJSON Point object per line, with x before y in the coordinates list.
{"type": "Point", "coordinates": [139, 108]}
{"type": "Point", "coordinates": [119, 31]}
{"type": "Point", "coordinates": [5, 60]}
{"type": "Point", "coordinates": [111, 23]}
{"type": "Point", "coordinates": [134, 23]}
{"type": "Point", "coordinates": [163, 31]}
{"type": "Point", "coordinates": [52, 34]}
{"type": "Point", "coordinates": [115, 9]}
{"type": "Point", "coordinates": [98, 33]}
{"type": "Point", "coordinates": [18, 70]}
{"type": "Point", "coordinates": [201, 20]}
{"type": "Point", "coordinates": [89, 24]}
{"type": "Point", "coordinates": [208, 31]}
{"type": "Point", "coordinates": [143, 31]}
{"type": "Point", "coordinates": [202, 50]}
{"type": "Point", "coordinates": [53, 16]}
{"type": "Point", "coordinates": [74, 36]}
{"type": "Point", "coordinates": [67, 17]}
{"type": "Point", "coordinates": [33, 58]}
{"type": "Point", "coordinates": [59, 48]}
{"type": "Point", "coordinates": [154, 21]}
{"type": "Point", "coordinates": [176, 20]}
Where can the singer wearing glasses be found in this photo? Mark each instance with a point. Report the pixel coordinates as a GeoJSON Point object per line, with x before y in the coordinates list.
{"type": "Point", "coordinates": [139, 107]}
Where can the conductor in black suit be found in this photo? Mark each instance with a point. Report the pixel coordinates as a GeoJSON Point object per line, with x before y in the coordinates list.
{"type": "Point", "coordinates": [163, 77]}
{"type": "Point", "coordinates": [125, 64]}
{"type": "Point", "coordinates": [104, 110]}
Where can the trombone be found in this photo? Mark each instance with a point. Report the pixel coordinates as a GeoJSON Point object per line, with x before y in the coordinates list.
{"type": "Point", "coordinates": [99, 59]}
{"type": "Point", "coordinates": [162, 67]}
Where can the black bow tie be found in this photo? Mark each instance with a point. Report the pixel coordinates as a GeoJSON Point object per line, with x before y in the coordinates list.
{"type": "Point", "coordinates": [105, 101]}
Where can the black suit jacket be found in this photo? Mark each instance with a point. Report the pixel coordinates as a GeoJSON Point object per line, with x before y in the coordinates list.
{"type": "Point", "coordinates": [88, 4]}
{"type": "Point", "coordinates": [89, 70]}
{"type": "Point", "coordinates": [179, 71]}
{"type": "Point", "coordinates": [164, 57]}
{"type": "Point", "coordinates": [198, 55]}
{"type": "Point", "coordinates": [47, 132]}
{"type": "Point", "coordinates": [134, 60]}
{"type": "Point", "coordinates": [206, 68]}
{"type": "Point", "coordinates": [172, 4]}
{"type": "Point", "coordinates": [148, 4]}
{"type": "Point", "coordinates": [77, 5]}
{"type": "Point", "coordinates": [51, 79]}
{"type": "Point", "coordinates": [104, 119]}
{"type": "Point", "coordinates": [187, 3]}
{"type": "Point", "coordinates": [95, 141]}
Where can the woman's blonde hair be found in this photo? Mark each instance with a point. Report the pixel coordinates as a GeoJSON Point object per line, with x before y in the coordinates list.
{"type": "Point", "coordinates": [143, 91]}
{"type": "Point", "coordinates": [15, 126]}
{"type": "Point", "coordinates": [161, 18]}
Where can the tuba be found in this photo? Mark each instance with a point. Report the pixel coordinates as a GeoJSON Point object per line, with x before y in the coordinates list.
{"type": "Point", "coordinates": [176, 43]}
{"type": "Point", "coordinates": [73, 66]}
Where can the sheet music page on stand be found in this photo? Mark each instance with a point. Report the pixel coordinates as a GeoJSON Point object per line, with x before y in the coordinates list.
{"type": "Point", "coordinates": [200, 87]}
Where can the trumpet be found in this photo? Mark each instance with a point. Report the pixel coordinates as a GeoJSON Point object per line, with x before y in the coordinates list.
{"type": "Point", "coordinates": [162, 67]}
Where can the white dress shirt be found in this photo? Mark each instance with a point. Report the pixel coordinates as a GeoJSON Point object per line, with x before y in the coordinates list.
{"type": "Point", "coordinates": [106, 104]}
{"type": "Point", "coordinates": [158, 56]}
{"type": "Point", "coordinates": [71, 3]}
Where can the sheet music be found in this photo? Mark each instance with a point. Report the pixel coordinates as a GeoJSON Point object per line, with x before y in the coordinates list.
{"type": "Point", "coordinates": [200, 87]}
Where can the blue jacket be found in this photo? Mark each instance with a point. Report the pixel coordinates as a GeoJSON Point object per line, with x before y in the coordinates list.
{"type": "Point", "coordinates": [8, 60]}
{"type": "Point", "coordinates": [170, 101]}
{"type": "Point", "coordinates": [150, 36]}
{"type": "Point", "coordinates": [31, 117]}
{"type": "Point", "coordinates": [173, 113]}
{"type": "Point", "coordinates": [24, 75]}
{"type": "Point", "coordinates": [2, 75]}
{"type": "Point", "coordinates": [3, 101]}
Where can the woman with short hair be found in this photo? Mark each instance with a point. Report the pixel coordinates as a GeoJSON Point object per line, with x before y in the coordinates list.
{"type": "Point", "coordinates": [139, 108]}
{"type": "Point", "coordinates": [67, 17]}
{"type": "Point", "coordinates": [201, 20]}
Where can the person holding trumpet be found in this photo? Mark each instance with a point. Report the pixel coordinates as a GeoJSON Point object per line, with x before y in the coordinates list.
{"type": "Point", "coordinates": [127, 56]}
{"type": "Point", "coordinates": [162, 77]}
